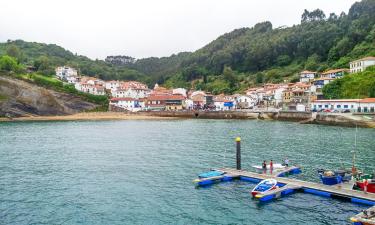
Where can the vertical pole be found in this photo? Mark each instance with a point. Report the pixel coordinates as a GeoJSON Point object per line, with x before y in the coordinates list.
{"type": "Point", "coordinates": [238, 153]}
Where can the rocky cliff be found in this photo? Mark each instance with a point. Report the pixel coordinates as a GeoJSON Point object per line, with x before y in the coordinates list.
{"type": "Point", "coordinates": [19, 98]}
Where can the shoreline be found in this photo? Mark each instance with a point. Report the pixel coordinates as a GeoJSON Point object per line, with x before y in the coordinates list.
{"type": "Point", "coordinates": [90, 116]}
{"type": "Point", "coordinates": [298, 117]}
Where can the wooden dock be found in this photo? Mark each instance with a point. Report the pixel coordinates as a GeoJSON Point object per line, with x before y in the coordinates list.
{"type": "Point", "coordinates": [335, 191]}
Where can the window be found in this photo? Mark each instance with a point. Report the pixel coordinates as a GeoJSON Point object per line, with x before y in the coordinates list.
{"type": "Point", "coordinates": [320, 106]}
{"type": "Point", "coordinates": [352, 106]}
{"type": "Point", "coordinates": [338, 106]}
{"type": "Point", "coordinates": [346, 106]}
{"type": "Point", "coordinates": [325, 106]}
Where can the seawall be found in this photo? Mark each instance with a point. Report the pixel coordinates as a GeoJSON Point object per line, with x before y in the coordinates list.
{"type": "Point", "coordinates": [204, 114]}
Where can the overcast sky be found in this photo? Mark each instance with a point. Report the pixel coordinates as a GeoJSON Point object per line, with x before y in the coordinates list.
{"type": "Point", "coordinates": [144, 28]}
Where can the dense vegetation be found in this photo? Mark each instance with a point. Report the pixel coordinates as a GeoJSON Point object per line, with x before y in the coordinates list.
{"type": "Point", "coordinates": [357, 85]}
{"type": "Point", "coordinates": [236, 60]}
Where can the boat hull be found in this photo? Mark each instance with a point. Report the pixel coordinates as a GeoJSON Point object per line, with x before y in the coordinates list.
{"type": "Point", "coordinates": [370, 186]}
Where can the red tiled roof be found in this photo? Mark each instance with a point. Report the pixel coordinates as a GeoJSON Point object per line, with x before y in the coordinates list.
{"type": "Point", "coordinates": [334, 71]}
{"type": "Point", "coordinates": [165, 97]}
{"type": "Point", "coordinates": [367, 100]}
{"type": "Point", "coordinates": [307, 72]}
{"type": "Point", "coordinates": [122, 99]}
{"type": "Point", "coordinates": [365, 58]}
{"type": "Point", "coordinates": [337, 100]}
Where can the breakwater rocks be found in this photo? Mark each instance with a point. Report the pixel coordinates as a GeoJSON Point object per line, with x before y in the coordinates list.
{"type": "Point", "coordinates": [204, 114]}
{"type": "Point", "coordinates": [347, 120]}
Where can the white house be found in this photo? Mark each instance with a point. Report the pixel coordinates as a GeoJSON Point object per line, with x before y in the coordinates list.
{"type": "Point", "coordinates": [112, 85]}
{"type": "Point", "coordinates": [354, 105]}
{"type": "Point", "coordinates": [73, 79]}
{"type": "Point", "coordinates": [333, 74]}
{"type": "Point", "coordinates": [361, 64]}
{"type": "Point", "coordinates": [62, 72]}
{"type": "Point", "coordinates": [130, 104]}
{"type": "Point", "coordinates": [180, 91]}
{"type": "Point", "coordinates": [131, 89]}
{"type": "Point", "coordinates": [307, 76]}
{"type": "Point", "coordinates": [245, 101]}
{"type": "Point", "coordinates": [223, 103]}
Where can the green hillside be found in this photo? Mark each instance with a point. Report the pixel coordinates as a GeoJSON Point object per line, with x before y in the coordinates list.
{"type": "Point", "coordinates": [357, 85]}
{"type": "Point", "coordinates": [236, 60]}
{"type": "Point", "coordinates": [45, 57]}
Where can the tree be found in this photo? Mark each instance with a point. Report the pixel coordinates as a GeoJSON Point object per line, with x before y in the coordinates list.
{"type": "Point", "coordinates": [15, 52]}
{"type": "Point", "coordinates": [312, 62]}
{"type": "Point", "coordinates": [229, 76]}
{"type": "Point", "coordinates": [8, 63]}
{"type": "Point", "coordinates": [259, 78]}
{"type": "Point", "coordinates": [315, 15]}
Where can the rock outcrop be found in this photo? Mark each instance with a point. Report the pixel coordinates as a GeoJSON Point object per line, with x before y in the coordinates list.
{"type": "Point", "coordinates": [20, 98]}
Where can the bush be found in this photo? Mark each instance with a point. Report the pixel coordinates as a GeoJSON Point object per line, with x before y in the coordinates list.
{"type": "Point", "coordinates": [8, 63]}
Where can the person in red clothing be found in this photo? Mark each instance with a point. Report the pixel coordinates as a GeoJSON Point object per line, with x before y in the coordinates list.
{"type": "Point", "coordinates": [271, 166]}
{"type": "Point", "coordinates": [365, 184]}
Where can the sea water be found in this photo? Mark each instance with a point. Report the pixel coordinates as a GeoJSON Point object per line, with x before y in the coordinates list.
{"type": "Point", "coordinates": [141, 172]}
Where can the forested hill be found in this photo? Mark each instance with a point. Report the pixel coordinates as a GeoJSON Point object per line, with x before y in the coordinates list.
{"type": "Point", "coordinates": [235, 60]}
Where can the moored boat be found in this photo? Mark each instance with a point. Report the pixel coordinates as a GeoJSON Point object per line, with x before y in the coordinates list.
{"type": "Point", "coordinates": [366, 180]}
{"type": "Point", "coordinates": [213, 173]}
{"type": "Point", "coordinates": [264, 186]}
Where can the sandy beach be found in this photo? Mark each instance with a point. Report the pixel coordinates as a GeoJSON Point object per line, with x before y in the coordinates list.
{"type": "Point", "coordinates": [88, 116]}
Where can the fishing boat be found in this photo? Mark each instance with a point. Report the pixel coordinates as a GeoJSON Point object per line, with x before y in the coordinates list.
{"type": "Point", "coordinates": [366, 180]}
{"type": "Point", "coordinates": [264, 186]}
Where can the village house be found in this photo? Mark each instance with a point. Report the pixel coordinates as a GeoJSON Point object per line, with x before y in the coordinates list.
{"type": "Point", "coordinates": [319, 83]}
{"type": "Point", "coordinates": [90, 85]}
{"type": "Point", "coordinates": [112, 85]}
{"type": "Point", "coordinates": [180, 91]}
{"type": "Point", "coordinates": [165, 102]}
{"type": "Point", "coordinates": [223, 103]}
{"type": "Point", "coordinates": [131, 89]}
{"type": "Point", "coordinates": [333, 74]}
{"type": "Point", "coordinates": [307, 76]}
{"type": "Point", "coordinates": [366, 105]}
{"type": "Point", "coordinates": [63, 72]}
{"type": "Point", "coordinates": [244, 101]}
{"type": "Point", "coordinates": [361, 64]}
{"type": "Point", "coordinates": [130, 104]}
{"type": "Point", "coordinates": [298, 96]}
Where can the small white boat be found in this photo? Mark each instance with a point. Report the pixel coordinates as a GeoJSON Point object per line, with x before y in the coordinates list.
{"type": "Point", "coordinates": [264, 186]}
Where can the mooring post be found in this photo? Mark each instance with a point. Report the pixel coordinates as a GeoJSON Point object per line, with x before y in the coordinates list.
{"type": "Point", "coordinates": [238, 153]}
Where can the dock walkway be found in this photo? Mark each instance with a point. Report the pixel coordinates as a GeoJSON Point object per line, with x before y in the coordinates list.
{"type": "Point", "coordinates": [335, 191]}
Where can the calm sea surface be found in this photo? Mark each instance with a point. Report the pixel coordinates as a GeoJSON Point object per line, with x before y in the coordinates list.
{"type": "Point", "coordinates": [141, 172]}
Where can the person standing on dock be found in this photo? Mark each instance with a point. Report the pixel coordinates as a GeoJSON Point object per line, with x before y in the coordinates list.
{"type": "Point", "coordinates": [271, 166]}
{"type": "Point", "coordinates": [264, 166]}
{"type": "Point", "coordinates": [286, 162]}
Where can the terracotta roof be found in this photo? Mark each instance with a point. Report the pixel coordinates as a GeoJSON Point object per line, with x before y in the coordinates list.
{"type": "Point", "coordinates": [324, 78]}
{"type": "Point", "coordinates": [334, 71]}
{"type": "Point", "coordinates": [338, 100]}
{"type": "Point", "coordinates": [367, 100]}
{"type": "Point", "coordinates": [365, 58]}
{"type": "Point", "coordinates": [165, 97]}
{"type": "Point", "coordinates": [306, 72]}
{"type": "Point", "coordinates": [133, 85]}
{"type": "Point", "coordinates": [122, 99]}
